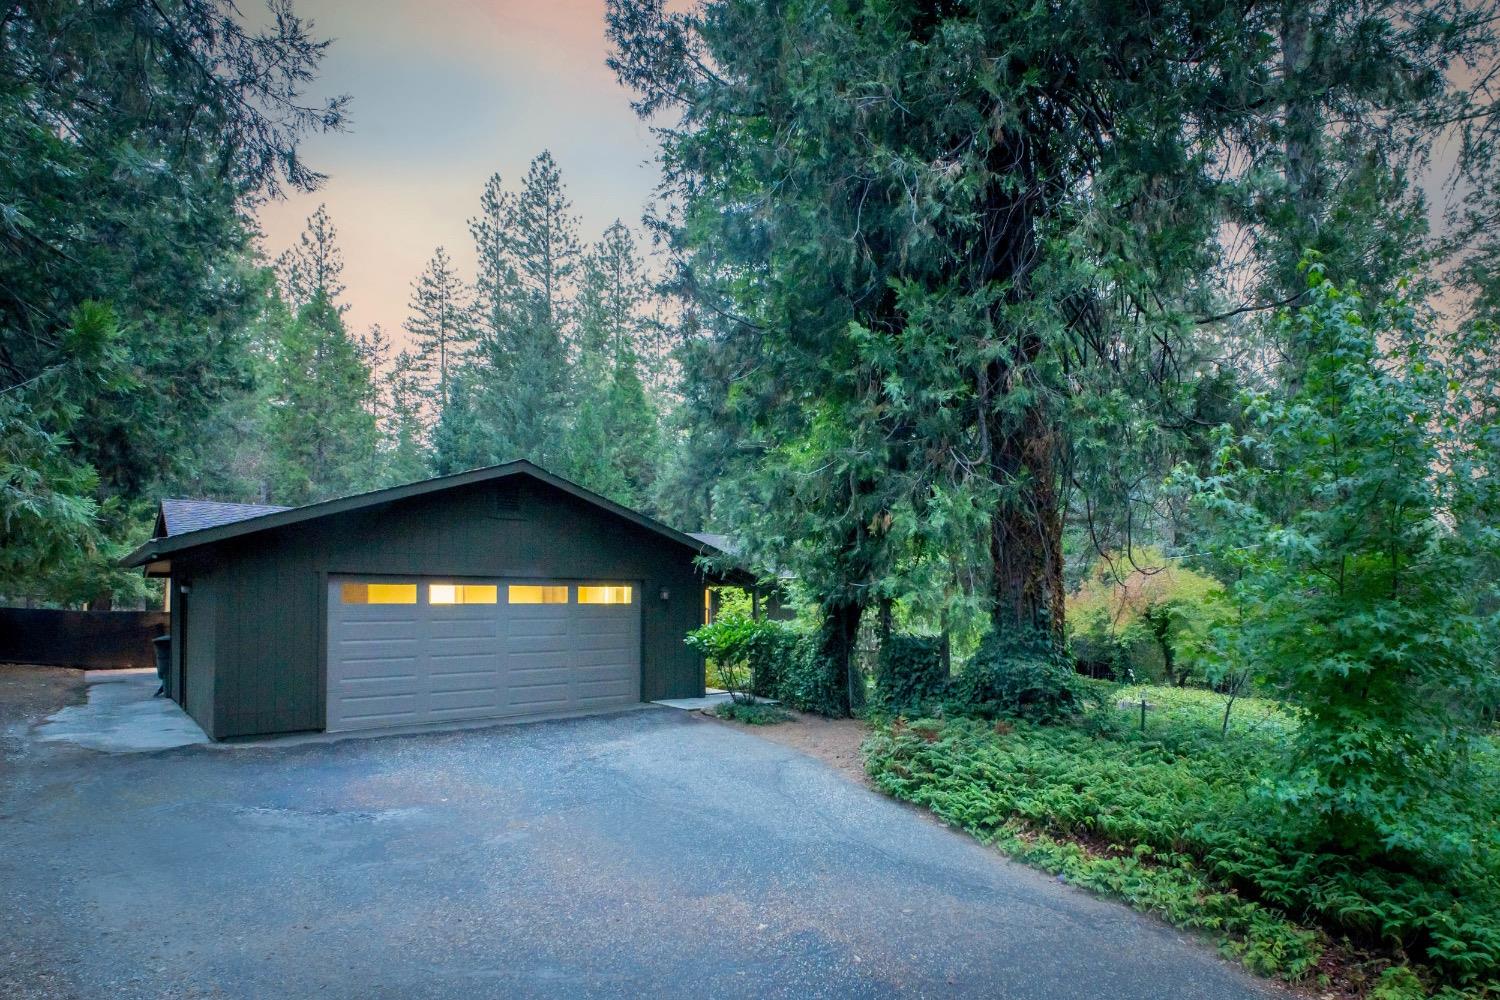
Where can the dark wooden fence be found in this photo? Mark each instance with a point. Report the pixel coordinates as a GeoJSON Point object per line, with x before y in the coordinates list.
{"type": "Point", "coordinates": [95, 640]}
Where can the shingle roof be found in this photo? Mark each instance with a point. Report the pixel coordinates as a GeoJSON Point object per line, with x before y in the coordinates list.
{"type": "Point", "coordinates": [182, 516]}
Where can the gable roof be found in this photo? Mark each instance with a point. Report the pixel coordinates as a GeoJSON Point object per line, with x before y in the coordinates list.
{"type": "Point", "coordinates": [181, 516]}
{"type": "Point", "coordinates": [163, 547]}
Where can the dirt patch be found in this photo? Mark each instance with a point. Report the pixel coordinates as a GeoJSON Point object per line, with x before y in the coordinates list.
{"type": "Point", "coordinates": [29, 693]}
{"type": "Point", "coordinates": [833, 741]}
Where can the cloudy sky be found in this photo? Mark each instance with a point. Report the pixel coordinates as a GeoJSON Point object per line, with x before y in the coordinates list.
{"type": "Point", "coordinates": [446, 92]}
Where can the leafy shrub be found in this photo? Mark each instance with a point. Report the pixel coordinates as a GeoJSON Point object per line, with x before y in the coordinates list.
{"type": "Point", "coordinates": [1139, 614]}
{"type": "Point", "coordinates": [1356, 517]}
{"type": "Point", "coordinates": [910, 673]}
{"type": "Point", "coordinates": [1019, 676]}
{"type": "Point", "coordinates": [768, 659]}
{"type": "Point", "coordinates": [806, 682]}
{"type": "Point", "coordinates": [752, 713]}
{"type": "Point", "coordinates": [770, 651]}
{"type": "Point", "coordinates": [725, 643]}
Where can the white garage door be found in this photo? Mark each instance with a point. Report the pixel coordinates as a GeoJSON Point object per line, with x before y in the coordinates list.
{"type": "Point", "coordinates": [408, 651]}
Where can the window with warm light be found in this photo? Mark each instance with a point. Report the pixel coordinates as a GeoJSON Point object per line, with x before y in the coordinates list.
{"type": "Point", "coordinates": [378, 593]}
{"type": "Point", "coordinates": [708, 606]}
{"type": "Point", "coordinates": [527, 593]}
{"type": "Point", "coordinates": [602, 594]}
{"type": "Point", "coordinates": [462, 593]}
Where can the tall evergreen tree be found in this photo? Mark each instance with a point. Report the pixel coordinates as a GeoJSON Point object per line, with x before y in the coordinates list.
{"type": "Point", "coordinates": [545, 247]}
{"type": "Point", "coordinates": [319, 368]}
{"type": "Point", "coordinates": [517, 399]}
{"type": "Point", "coordinates": [496, 281]}
{"type": "Point", "coordinates": [441, 324]}
{"type": "Point", "coordinates": [614, 438]}
{"type": "Point", "coordinates": [405, 428]}
{"type": "Point", "coordinates": [315, 265]}
{"type": "Point", "coordinates": [135, 136]}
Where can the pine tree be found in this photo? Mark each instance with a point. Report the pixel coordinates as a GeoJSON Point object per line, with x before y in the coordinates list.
{"type": "Point", "coordinates": [314, 265]}
{"type": "Point", "coordinates": [404, 430]}
{"type": "Point", "coordinates": [318, 368]}
{"type": "Point", "coordinates": [516, 398]}
{"type": "Point", "coordinates": [545, 241]}
{"type": "Point", "coordinates": [441, 323]}
{"type": "Point", "coordinates": [496, 282]}
{"type": "Point", "coordinates": [614, 440]}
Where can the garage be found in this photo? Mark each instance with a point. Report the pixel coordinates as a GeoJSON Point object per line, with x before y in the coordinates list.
{"type": "Point", "coordinates": [499, 593]}
{"type": "Point", "coordinates": [427, 650]}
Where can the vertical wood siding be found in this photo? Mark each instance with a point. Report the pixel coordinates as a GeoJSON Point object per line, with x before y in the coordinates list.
{"type": "Point", "coordinates": [269, 600]}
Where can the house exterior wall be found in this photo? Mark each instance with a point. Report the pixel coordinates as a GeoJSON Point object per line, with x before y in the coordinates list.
{"type": "Point", "coordinates": [267, 592]}
{"type": "Point", "coordinates": [199, 645]}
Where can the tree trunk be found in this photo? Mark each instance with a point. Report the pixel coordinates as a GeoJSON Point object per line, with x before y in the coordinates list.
{"type": "Point", "coordinates": [1026, 532]}
{"type": "Point", "coordinates": [1303, 128]}
{"type": "Point", "coordinates": [1022, 448]}
{"type": "Point", "coordinates": [836, 639]}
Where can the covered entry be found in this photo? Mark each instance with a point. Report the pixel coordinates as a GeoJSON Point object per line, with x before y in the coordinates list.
{"type": "Point", "coordinates": [413, 650]}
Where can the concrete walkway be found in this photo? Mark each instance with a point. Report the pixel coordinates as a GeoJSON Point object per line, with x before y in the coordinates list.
{"type": "Point", "coordinates": [122, 716]}
{"type": "Point", "coordinates": [710, 700]}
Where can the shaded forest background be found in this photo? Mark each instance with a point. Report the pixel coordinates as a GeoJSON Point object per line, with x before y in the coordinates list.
{"type": "Point", "coordinates": [926, 316]}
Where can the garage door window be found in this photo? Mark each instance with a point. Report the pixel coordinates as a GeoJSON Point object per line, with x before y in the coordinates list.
{"type": "Point", "coordinates": [525, 593]}
{"type": "Point", "coordinates": [603, 594]}
{"type": "Point", "coordinates": [462, 593]}
{"type": "Point", "coordinates": [378, 593]}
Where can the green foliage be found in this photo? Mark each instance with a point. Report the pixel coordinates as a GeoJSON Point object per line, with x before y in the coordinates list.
{"type": "Point", "coordinates": [316, 367]}
{"type": "Point", "coordinates": [1356, 517]}
{"type": "Point", "coordinates": [133, 138]}
{"type": "Point", "coordinates": [521, 400]}
{"type": "Point", "coordinates": [726, 643]}
{"type": "Point", "coordinates": [1143, 615]}
{"type": "Point", "coordinates": [1169, 820]}
{"type": "Point", "coordinates": [807, 681]}
{"type": "Point", "coordinates": [770, 659]}
{"type": "Point", "coordinates": [910, 673]}
{"type": "Point", "coordinates": [1018, 675]}
{"type": "Point", "coordinates": [613, 443]}
{"type": "Point", "coordinates": [564, 368]}
{"type": "Point", "coordinates": [774, 653]}
{"type": "Point", "coordinates": [752, 713]}
{"type": "Point", "coordinates": [953, 259]}
{"type": "Point", "coordinates": [441, 325]}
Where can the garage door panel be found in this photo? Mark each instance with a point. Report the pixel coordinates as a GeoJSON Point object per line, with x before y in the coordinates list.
{"type": "Point", "coordinates": [608, 690]}
{"type": "Point", "coordinates": [368, 710]}
{"type": "Point", "coordinates": [536, 700]}
{"type": "Point", "coordinates": [406, 664]}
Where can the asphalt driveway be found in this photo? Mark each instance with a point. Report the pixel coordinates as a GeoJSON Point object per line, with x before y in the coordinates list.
{"type": "Point", "coordinates": [647, 853]}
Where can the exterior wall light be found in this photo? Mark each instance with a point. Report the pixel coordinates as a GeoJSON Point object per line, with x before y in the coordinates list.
{"type": "Point", "coordinates": [666, 594]}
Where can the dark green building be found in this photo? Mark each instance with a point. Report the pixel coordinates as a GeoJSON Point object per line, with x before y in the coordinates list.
{"type": "Point", "coordinates": [505, 592]}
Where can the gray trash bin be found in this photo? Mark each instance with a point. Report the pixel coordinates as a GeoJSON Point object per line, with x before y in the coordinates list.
{"type": "Point", "coordinates": [163, 647]}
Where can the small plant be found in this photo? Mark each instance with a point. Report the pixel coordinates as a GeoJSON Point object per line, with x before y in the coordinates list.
{"type": "Point", "coordinates": [1171, 821]}
{"type": "Point", "coordinates": [752, 713]}
{"type": "Point", "coordinates": [725, 643]}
